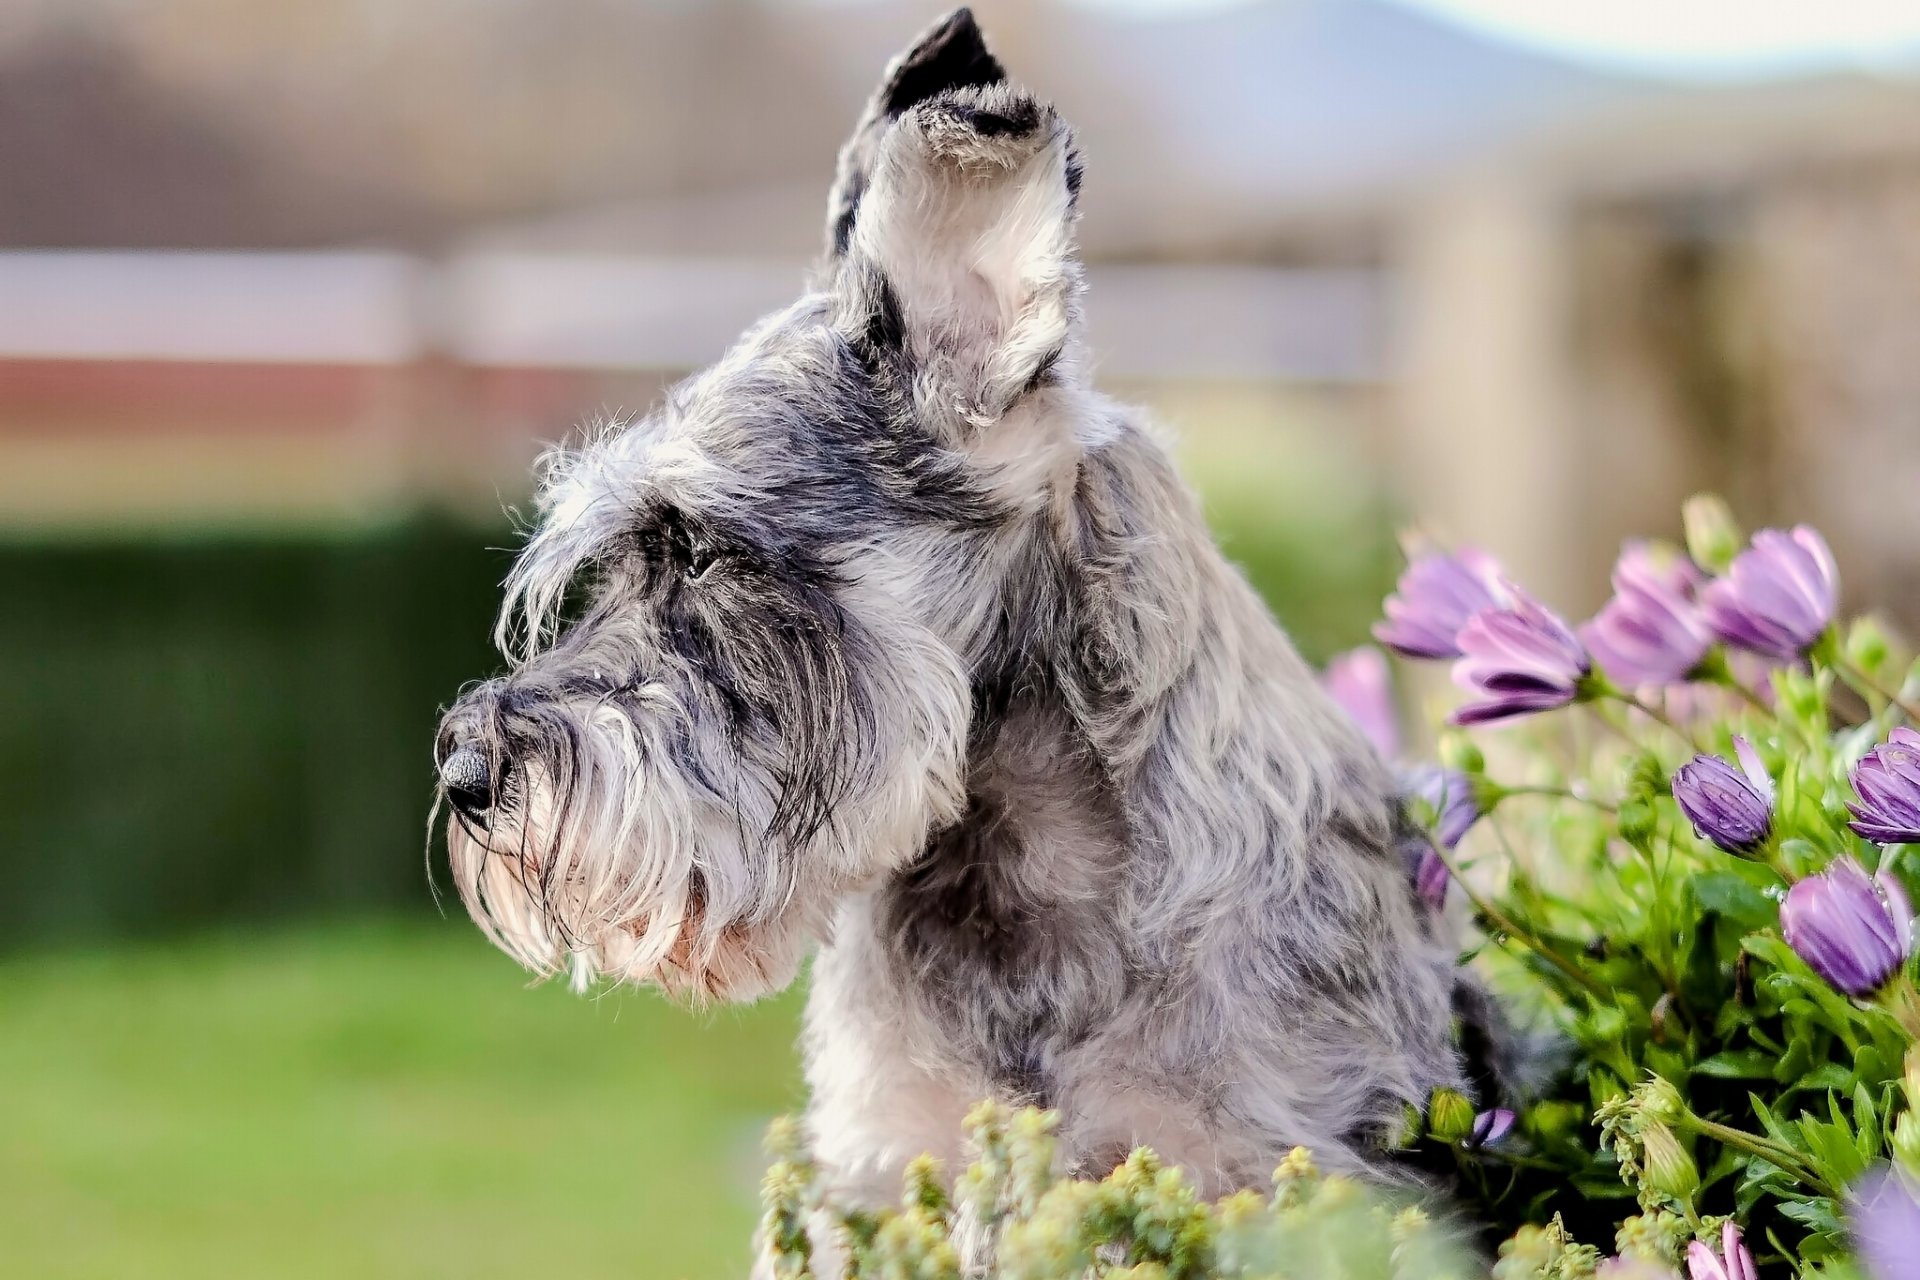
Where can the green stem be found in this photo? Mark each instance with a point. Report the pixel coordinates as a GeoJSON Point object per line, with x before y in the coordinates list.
{"type": "Point", "coordinates": [1562, 793]}
{"type": "Point", "coordinates": [1523, 1162]}
{"type": "Point", "coordinates": [1767, 1149]}
{"type": "Point", "coordinates": [1748, 696]}
{"type": "Point", "coordinates": [1660, 715]}
{"type": "Point", "coordinates": [1903, 1003]}
{"type": "Point", "coordinates": [1716, 670]}
{"type": "Point", "coordinates": [1866, 685]}
{"type": "Point", "coordinates": [1506, 925]}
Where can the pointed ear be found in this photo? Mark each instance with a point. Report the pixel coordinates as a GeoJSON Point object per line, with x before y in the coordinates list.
{"type": "Point", "coordinates": [960, 274]}
{"type": "Point", "coordinates": [950, 55]}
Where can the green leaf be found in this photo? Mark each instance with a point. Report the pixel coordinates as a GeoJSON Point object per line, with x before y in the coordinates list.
{"type": "Point", "coordinates": [1775, 1130]}
{"type": "Point", "coordinates": [1737, 1064]}
{"type": "Point", "coordinates": [1826, 1076]}
{"type": "Point", "coordinates": [1736, 898]}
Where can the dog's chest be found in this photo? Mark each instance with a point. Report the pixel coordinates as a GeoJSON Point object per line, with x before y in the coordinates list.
{"type": "Point", "coordinates": [1008, 932]}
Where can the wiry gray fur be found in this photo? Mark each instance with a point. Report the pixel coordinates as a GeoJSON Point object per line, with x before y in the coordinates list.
{"type": "Point", "coordinates": [888, 637]}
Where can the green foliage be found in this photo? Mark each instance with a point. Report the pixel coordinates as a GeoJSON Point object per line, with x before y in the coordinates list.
{"type": "Point", "coordinates": [1011, 1211]}
{"type": "Point", "coordinates": [1711, 1073]}
{"type": "Point", "coordinates": [204, 731]}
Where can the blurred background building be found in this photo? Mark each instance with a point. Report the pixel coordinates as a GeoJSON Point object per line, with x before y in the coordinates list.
{"type": "Point", "coordinates": [291, 293]}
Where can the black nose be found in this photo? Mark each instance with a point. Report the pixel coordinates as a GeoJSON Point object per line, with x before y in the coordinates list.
{"type": "Point", "coordinates": [467, 780]}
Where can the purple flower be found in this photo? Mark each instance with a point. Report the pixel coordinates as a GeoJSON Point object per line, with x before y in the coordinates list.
{"type": "Point", "coordinates": [1489, 1127]}
{"type": "Point", "coordinates": [1450, 794]}
{"type": "Point", "coordinates": [1731, 807]}
{"type": "Point", "coordinates": [1436, 596]}
{"type": "Point", "coordinates": [1888, 784]}
{"type": "Point", "coordinates": [1852, 930]}
{"type": "Point", "coordinates": [1359, 682]}
{"type": "Point", "coordinates": [1431, 877]}
{"type": "Point", "coordinates": [1633, 1269]}
{"type": "Point", "coordinates": [1779, 596]}
{"type": "Point", "coordinates": [1885, 1215]}
{"type": "Point", "coordinates": [1733, 1262]}
{"type": "Point", "coordinates": [1521, 658]}
{"type": "Point", "coordinates": [1651, 632]}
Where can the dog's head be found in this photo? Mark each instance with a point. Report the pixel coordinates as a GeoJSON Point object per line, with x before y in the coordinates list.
{"type": "Point", "coordinates": [743, 637]}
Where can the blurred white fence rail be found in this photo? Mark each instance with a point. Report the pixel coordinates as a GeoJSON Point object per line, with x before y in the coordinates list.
{"type": "Point", "coordinates": [570, 312]}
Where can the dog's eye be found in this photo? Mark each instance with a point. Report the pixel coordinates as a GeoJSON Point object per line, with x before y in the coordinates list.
{"type": "Point", "coordinates": [699, 561]}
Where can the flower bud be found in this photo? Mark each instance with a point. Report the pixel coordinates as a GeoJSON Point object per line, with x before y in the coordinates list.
{"type": "Point", "coordinates": [1296, 1166]}
{"type": "Point", "coordinates": [1657, 1236]}
{"type": "Point", "coordinates": [923, 1188]}
{"type": "Point", "coordinates": [1489, 1127]}
{"type": "Point", "coordinates": [1854, 930]}
{"type": "Point", "coordinates": [1449, 1115]}
{"type": "Point", "coordinates": [1668, 1167]}
{"type": "Point", "coordinates": [1296, 1178]}
{"type": "Point", "coordinates": [1803, 694]}
{"type": "Point", "coordinates": [1459, 753]}
{"type": "Point", "coordinates": [1713, 539]}
{"type": "Point", "coordinates": [1658, 1100]}
{"type": "Point", "coordinates": [1412, 1125]}
{"type": "Point", "coordinates": [1732, 807]}
{"type": "Point", "coordinates": [1906, 1143]}
{"type": "Point", "coordinates": [1778, 598]}
{"type": "Point", "coordinates": [1866, 646]}
{"type": "Point", "coordinates": [1637, 822]}
{"type": "Point", "coordinates": [1887, 782]}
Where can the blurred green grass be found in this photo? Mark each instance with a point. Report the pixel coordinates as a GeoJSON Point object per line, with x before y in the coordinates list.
{"type": "Point", "coordinates": [371, 1100]}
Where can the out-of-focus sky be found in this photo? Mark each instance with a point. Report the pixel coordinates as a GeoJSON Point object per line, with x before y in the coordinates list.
{"type": "Point", "coordinates": [1681, 37]}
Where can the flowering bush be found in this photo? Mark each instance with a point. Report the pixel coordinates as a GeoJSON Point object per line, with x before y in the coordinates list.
{"type": "Point", "coordinates": [1694, 882]}
{"type": "Point", "coordinates": [1142, 1222]}
{"type": "Point", "coordinates": [1683, 833]}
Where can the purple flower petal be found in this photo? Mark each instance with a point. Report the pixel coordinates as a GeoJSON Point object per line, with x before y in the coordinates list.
{"type": "Point", "coordinates": [1523, 658]}
{"type": "Point", "coordinates": [1888, 784]}
{"type": "Point", "coordinates": [1734, 1261]}
{"type": "Point", "coordinates": [1884, 1212]}
{"type": "Point", "coordinates": [1435, 597]}
{"type": "Point", "coordinates": [1853, 932]}
{"type": "Point", "coordinates": [1723, 804]}
{"type": "Point", "coordinates": [1731, 807]}
{"type": "Point", "coordinates": [1779, 597]}
{"type": "Point", "coordinates": [1358, 680]}
{"type": "Point", "coordinates": [1431, 879]}
{"type": "Point", "coordinates": [1754, 768]}
{"type": "Point", "coordinates": [1489, 1127]}
{"type": "Point", "coordinates": [1651, 632]}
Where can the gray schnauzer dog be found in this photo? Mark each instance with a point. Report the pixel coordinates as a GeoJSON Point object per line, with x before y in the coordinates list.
{"type": "Point", "coordinates": [889, 639]}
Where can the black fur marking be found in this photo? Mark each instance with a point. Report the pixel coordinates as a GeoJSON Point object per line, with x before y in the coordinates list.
{"type": "Point", "coordinates": [1485, 1041]}
{"type": "Point", "coordinates": [1019, 119]}
{"type": "Point", "coordinates": [953, 56]}
{"type": "Point", "coordinates": [982, 900]}
{"type": "Point", "coordinates": [886, 330]}
{"type": "Point", "coordinates": [1043, 372]}
{"type": "Point", "coordinates": [956, 912]}
{"type": "Point", "coordinates": [852, 189]}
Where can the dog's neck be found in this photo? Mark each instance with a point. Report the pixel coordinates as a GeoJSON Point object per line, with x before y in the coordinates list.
{"type": "Point", "coordinates": [1158, 658]}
